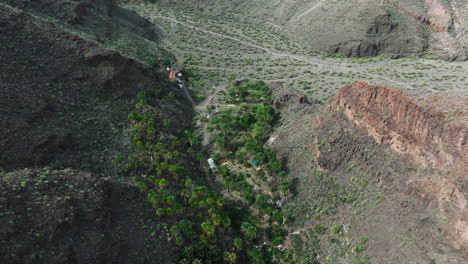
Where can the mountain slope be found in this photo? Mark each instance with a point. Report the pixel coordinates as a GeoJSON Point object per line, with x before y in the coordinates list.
{"type": "Point", "coordinates": [53, 86]}
{"type": "Point", "coordinates": [377, 205]}
{"type": "Point", "coordinates": [364, 28]}
{"type": "Point", "coordinates": [65, 94]}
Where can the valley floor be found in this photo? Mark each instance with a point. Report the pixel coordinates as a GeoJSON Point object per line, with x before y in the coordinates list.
{"type": "Point", "coordinates": [105, 157]}
{"type": "Point", "coordinates": [220, 45]}
{"type": "Point", "coordinates": [354, 204]}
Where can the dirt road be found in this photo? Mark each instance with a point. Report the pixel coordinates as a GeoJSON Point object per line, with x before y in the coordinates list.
{"type": "Point", "coordinates": [323, 64]}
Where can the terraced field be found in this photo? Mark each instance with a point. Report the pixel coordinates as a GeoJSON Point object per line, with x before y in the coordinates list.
{"type": "Point", "coordinates": [220, 46]}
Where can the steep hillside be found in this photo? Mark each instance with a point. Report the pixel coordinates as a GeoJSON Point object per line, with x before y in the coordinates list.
{"type": "Point", "coordinates": [71, 216]}
{"type": "Point", "coordinates": [392, 118]}
{"type": "Point", "coordinates": [360, 200]}
{"type": "Point", "coordinates": [54, 85]}
{"type": "Point", "coordinates": [104, 160]}
{"type": "Point", "coordinates": [43, 210]}
{"type": "Point", "coordinates": [69, 81]}
{"type": "Point", "coordinates": [102, 21]}
{"type": "Point", "coordinates": [364, 28]}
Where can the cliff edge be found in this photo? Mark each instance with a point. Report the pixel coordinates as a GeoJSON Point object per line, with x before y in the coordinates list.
{"type": "Point", "coordinates": [393, 118]}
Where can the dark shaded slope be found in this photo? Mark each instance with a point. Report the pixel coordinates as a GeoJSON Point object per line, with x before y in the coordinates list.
{"type": "Point", "coordinates": [55, 217]}
{"type": "Point", "coordinates": [64, 102]}
{"type": "Point", "coordinates": [69, 216]}
{"type": "Point", "coordinates": [60, 91]}
{"type": "Point", "coordinates": [102, 18]}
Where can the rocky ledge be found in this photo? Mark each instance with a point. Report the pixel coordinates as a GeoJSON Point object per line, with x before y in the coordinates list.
{"type": "Point", "coordinates": [393, 118]}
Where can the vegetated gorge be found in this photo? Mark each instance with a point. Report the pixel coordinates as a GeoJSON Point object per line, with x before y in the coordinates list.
{"type": "Point", "coordinates": [238, 131]}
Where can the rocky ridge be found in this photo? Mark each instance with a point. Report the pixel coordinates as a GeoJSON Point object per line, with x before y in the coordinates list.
{"type": "Point", "coordinates": [391, 117]}
{"type": "Point", "coordinates": [412, 157]}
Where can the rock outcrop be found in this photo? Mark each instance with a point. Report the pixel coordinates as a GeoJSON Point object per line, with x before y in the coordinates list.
{"type": "Point", "coordinates": [429, 137]}
{"type": "Point", "coordinates": [392, 143]}
{"type": "Point", "coordinates": [283, 97]}
{"type": "Point", "coordinates": [356, 142]}
{"type": "Point", "coordinates": [393, 118]}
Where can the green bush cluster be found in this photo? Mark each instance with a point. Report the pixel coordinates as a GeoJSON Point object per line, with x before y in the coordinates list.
{"type": "Point", "coordinates": [246, 131]}
{"type": "Point", "coordinates": [158, 167]}
{"type": "Point", "coordinates": [206, 229]}
{"type": "Point", "coordinates": [241, 136]}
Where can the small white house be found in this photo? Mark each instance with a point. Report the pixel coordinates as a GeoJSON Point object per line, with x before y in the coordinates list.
{"type": "Point", "coordinates": [271, 140]}
{"type": "Point", "coordinates": [212, 164]}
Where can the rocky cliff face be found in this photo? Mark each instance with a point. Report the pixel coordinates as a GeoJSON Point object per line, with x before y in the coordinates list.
{"type": "Point", "coordinates": [399, 28]}
{"type": "Point", "coordinates": [372, 31]}
{"type": "Point", "coordinates": [446, 25]}
{"type": "Point", "coordinates": [431, 138]}
{"type": "Point", "coordinates": [356, 141]}
{"type": "Point", "coordinates": [392, 118]}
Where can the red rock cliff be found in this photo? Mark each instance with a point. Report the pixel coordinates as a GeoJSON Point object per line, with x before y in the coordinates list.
{"type": "Point", "coordinates": [393, 118]}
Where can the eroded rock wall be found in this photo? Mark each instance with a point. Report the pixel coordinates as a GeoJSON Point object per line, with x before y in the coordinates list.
{"type": "Point", "coordinates": [393, 118]}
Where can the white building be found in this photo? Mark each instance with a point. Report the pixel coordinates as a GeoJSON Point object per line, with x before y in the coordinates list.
{"type": "Point", "coordinates": [212, 164]}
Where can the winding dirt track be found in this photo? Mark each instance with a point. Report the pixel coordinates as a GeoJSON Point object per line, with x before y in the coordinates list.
{"type": "Point", "coordinates": [324, 65]}
{"type": "Point", "coordinates": [307, 59]}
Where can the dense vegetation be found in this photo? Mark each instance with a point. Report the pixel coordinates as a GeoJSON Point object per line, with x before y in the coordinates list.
{"type": "Point", "coordinates": [216, 45]}
{"type": "Point", "coordinates": [240, 133]}
{"type": "Point", "coordinates": [207, 227]}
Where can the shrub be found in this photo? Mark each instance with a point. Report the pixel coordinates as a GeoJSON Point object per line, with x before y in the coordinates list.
{"type": "Point", "coordinates": [238, 243]}
{"type": "Point", "coordinates": [320, 229]}
{"type": "Point", "coordinates": [337, 229]}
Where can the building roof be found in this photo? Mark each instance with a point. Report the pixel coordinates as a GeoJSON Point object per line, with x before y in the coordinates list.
{"type": "Point", "coordinates": [212, 163]}
{"type": "Point", "coordinates": [172, 75]}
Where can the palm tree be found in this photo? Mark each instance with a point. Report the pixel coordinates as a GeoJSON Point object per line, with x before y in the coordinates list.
{"type": "Point", "coordinates": [238, 243]}
{"type": "Point", "coordinates": [285, 187]}
{"type": "Point", "coordinates": [230, 257]}
{"type": "Point", "coordinates": [249, 229]}
{"type": "Point", "coordinates": [208, 228]}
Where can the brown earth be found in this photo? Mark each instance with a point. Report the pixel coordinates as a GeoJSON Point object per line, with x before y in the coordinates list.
{"type": "Point", "coordinates": [405, 203]}
{"type": "Point", "coordinates": [392, 118]}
